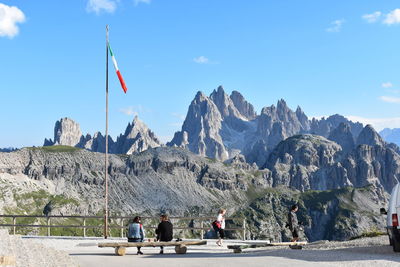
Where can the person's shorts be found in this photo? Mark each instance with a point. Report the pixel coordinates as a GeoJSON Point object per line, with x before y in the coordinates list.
{"type": "Point", "coordinates": [221, 233]}
{"type": "Point", "coordinates": [135, 240]}
{"type": "Point", "coordinates": [295, 233]}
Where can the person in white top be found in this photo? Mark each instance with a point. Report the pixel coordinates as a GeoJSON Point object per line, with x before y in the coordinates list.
{"type": "Point", "coordinates": [219, 226]}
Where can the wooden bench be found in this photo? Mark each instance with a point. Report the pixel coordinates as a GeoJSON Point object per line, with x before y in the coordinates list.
{"type": "Point", "coordinates": [292, 245]}
{"type": "Point", "coordinates": [7, 260]}
{"type": "Point", "coordinates": [180, 246]}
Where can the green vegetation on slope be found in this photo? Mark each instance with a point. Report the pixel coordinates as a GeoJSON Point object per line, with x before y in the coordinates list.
{"type": "Point", "coordinates": [54, 149]}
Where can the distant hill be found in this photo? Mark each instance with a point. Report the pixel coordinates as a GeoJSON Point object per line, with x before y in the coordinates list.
{"type": "Point", "coordinates": [391, 135]}
{"type": "Point", "coordinates": [8, 149]}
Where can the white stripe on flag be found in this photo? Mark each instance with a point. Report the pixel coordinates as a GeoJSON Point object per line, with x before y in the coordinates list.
{"type": "Point", "coordinates": [115, 63]}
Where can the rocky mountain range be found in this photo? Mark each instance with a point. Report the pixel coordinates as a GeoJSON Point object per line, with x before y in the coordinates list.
{"type": "Point", "coordinates": [221, 126]}
{"type": "Point", "coordinates": [314, 162]}
{"type": "Point", "coordinates": [256, 165]}
{"type": "Point", "coordinates": [137, 138]}
{"type": "Point", "coordinates": [218, 126]}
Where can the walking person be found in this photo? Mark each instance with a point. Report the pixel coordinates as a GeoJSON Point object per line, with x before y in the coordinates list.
{"type": "Point", "coordinates": [136, 232]}
{"type": "Point", "coordinates": [164, 231]}
{"type": "Point", "coordinates": [219, 226]}
{"type": "Point", "coordinates": [293, 223]}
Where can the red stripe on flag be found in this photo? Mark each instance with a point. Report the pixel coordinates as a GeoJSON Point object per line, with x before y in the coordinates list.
{"type": "Point", "coordinates": [121, 80]}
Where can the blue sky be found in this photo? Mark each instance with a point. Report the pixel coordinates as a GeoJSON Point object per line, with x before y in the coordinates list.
{"type": "Point", "coordinates": [326, 56]}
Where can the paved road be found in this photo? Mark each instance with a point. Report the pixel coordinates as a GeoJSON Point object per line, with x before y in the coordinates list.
{"type": "Point", "coordinates": [367, 252]}
{"type": "Point", "coordinates": [210, 256]}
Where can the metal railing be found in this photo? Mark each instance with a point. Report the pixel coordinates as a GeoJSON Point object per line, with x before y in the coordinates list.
{"type": "Point", "coordinates": [123, 222]}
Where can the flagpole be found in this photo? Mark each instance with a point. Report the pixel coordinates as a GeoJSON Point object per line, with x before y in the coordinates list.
{"type": "Point", "coordinates": [106, 154]}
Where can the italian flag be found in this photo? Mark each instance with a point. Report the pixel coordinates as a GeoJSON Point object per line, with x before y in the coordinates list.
{"type": "Point", "coordinates": [121, 80]}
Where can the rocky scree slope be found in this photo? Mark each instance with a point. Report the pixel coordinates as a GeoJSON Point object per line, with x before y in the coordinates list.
{"type": "Point", "coordinates": [160, 179]}
{"type": "Point", "coordinates": [179, 182]}
{"type": "Point", "coordinates": [337, 214]}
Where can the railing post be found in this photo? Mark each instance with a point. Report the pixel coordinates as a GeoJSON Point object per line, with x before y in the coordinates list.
{"type": "Point", "coordinates": [14, 221]}
{"type": "Point", "coordinates": [48, 228]}
{"type": "Point", "coordinates": [202, 230]}
{"type": "Point", "coordinates": [244, 229]}
{"type": "Point", "coordinates": [122, 228]}
{"type": "Point", "coordinates": [84, 226]}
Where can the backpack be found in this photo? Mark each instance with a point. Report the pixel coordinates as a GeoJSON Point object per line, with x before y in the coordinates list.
{"type": "Point", "coordinates": [216, 225]}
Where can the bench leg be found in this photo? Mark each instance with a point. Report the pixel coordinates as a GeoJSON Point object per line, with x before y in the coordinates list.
{"type": "Point", "coordinates": [120, 251]}
{"type": "Point", "coordinates": [237, 250]}
{"type": "Point", "coordinates": [181, 249]}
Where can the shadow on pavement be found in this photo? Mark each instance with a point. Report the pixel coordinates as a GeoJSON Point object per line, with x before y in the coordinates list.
{"type": "Point", "coordinates": [375, 253]}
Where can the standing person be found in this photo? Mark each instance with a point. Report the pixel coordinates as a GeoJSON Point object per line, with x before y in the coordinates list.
{"type": "Point", "coordinates": [136, 232]}
{"type": "Point", "coordinates": [164, 231]}
{"type": "Point", "coordinates": [219, 226]}
{"type": "Point", "coordinates": [293, 223]}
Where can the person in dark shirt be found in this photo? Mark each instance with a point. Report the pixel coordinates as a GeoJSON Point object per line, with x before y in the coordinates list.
{"type": "Point", "coordinates": [293, 223]}
{"type": "Point", "coordinates": [164, 231]}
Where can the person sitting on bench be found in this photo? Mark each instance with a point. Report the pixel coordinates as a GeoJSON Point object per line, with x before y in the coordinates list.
{"type": "Point", "coordinates": [293, 223]}
{"type": "Point", "coordinates": [164, 231]}
{"type": "Point", "coordinates": [136, 232]}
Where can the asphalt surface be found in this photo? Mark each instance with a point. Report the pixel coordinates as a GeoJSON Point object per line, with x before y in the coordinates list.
{"type": "Point", "coordinates": [361, 252]}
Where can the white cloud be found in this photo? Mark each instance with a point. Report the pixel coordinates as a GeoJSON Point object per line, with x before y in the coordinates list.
{"type": "Point", "coordinates": [9, 17]}
{"type": "Point", "coordinates": [390, 99]}
{"type": "Point", "coordinates": [178, 115]}
{"type": "Point", "coordinates": [378, 123]}
{"type": "Point", "coordinates": [372, 18]}
{"type": "Point", "coordinates": [175, 124]}
{"type": "Point", "coordinates": [135, 110]}
{"type": "Point", "coordinates": [387, 85]}
{"type": "Point", "coordinates": [201, 60]}
{"type": "Point", "coordinates": [165, 138]}
{"type": "Point", "coordinates": [128, 111]}
{"type": "Point", "coordinates": [393, 91]}
{"type": "Point", "coordinates": [393, 17]}
{"type": "Point", "coordinates": [98, 6]}
{"type": "Point", "coordinates": [137, 2]}
{"type": "Point", "coordinates": [336, 25]}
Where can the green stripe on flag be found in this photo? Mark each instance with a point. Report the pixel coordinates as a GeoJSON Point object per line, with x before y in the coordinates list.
{"type": "Point", "coordinates": [109, 47]}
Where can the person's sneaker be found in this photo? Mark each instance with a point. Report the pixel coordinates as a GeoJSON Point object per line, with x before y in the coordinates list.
{"type": "Point", "coordinates": [161, 251]}
{"type": "Point", "coordinates": [139, 253]}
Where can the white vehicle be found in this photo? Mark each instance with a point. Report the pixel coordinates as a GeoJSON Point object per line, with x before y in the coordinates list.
{"type": "Point", "coordinates": [393, 214]}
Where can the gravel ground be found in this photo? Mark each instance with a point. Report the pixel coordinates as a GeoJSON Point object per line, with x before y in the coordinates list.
{"type": "Point", "coordinates": [360, 252]}
{"type": "Point", "coordinates": [29, 253]}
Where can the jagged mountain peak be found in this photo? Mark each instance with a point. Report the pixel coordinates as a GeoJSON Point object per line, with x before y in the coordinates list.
{"type": "Point", "coordinates": [200, 96]}
{"type": "Point", "coordinates": [137, 138]}
{"type": "Point", "coordinates": [268, 110]}
{"type": "Point", "coordinates": [369, 136]}
{"type": "Point", "coordinates": [325, 126]}
{"type": "Point", "coordinates": [137, 126]}
{"type": "Point", "coordinates": [225, 104]}
{"type": "Point", "coordinates": [67, 132]}
{"type": "Point", "coordinates": [281, 104]}
{"type": "Point", "coordinates": [245, 108]}
{"type": "Point", "coordinates": [342, 135]}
